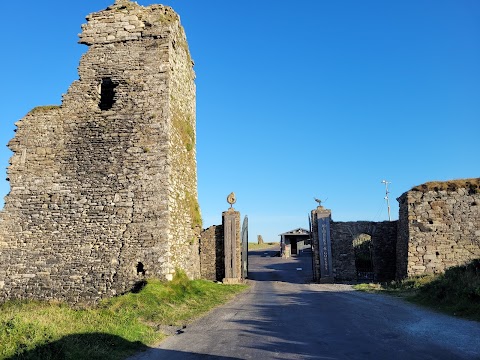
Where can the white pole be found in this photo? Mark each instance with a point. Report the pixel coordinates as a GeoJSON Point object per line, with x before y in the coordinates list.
{"type": "Point", "coordinates": [386, 197]}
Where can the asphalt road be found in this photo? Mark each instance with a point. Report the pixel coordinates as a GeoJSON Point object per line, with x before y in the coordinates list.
{"type": "Point", "coordinates": [282, 316]}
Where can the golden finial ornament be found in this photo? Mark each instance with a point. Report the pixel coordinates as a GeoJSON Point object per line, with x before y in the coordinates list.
{"type": "Point", "coordinates": [231, 199]}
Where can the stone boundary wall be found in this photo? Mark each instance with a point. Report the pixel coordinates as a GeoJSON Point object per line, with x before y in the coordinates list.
{"type": "Point", "coordinates": [212, 253]}
{"type": "Point", "coordinates": [383, 237]}
{"type": "Point", "coordinates": [104, 186]}
{"type": "Point", "coordinates": [439, 227]}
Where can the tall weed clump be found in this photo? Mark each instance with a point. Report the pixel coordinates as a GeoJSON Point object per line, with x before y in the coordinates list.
{"type": "Point", "coordinates": [457, 291]}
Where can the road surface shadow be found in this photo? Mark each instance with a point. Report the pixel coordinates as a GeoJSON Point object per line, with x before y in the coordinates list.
{"type": "Point", "coordinates": [283, 316]}
{"type": "Point", "coordinates": [304, 324]}
{"type": "Point", "coordinates": [323, 322]}
{"type": "Point", "coordinates": [160, 354]}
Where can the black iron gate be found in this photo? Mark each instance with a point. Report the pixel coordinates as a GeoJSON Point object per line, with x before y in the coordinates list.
{"type": "Point", "coordinates": [363, 248]}
{"type": "Point", "coordinates": [245, 248]}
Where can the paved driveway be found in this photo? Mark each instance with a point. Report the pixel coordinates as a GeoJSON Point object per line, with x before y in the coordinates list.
{"type": "Point", "coordinates": [282, 316]}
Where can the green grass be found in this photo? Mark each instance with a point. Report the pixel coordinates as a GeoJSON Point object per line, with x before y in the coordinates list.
{"type": "Point", "coordinates": [115, 329]}
{"type": "Point", "coordinates": [45, 108]}
{"type": "Point", "coordinates": [473, 185]}
{"type": "Point", "coordinates": [194, 210]}
{"type": "Point", "coordinates": [255, 246]}
{"type": "Point", "coordinates": [456, 292]}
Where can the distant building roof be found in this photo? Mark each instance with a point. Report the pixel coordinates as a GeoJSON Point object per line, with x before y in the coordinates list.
{"type": "Point", "coordinates": [298, 231]}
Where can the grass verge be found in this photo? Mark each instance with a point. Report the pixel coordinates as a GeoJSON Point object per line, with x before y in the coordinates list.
{"type": "Point", "coordinates": [115, 329]}
{"type": "Point", "coordinates": [255, 246]}
{"type": "Point", "coordinates": [456, 292]}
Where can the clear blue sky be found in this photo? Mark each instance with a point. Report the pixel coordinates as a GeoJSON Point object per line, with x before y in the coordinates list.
{"type": "Point", "coordinates": [295, 100]}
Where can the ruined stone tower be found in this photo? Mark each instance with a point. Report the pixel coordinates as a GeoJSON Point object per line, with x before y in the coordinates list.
{"type": "Point", "coordinates": [104, 187]}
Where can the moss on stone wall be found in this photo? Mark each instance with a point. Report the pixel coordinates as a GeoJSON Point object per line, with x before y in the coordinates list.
{"type": "Point", "coordinates": [473, 185]}
{"type": "Point", "coordinates": [45, 108]}
{"type": "Point", "coordinates": [182, 44]}
{"type": "Point", "coordinates": [168, 16]}
{"type": "Point", "coordinates": [186, 131]}
{"type": "Point", "coordinates": [194, 210]}
{"type": "Point", "coordinates": [125, 6]}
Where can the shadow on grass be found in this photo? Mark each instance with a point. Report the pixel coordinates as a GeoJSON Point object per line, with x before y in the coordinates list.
{"type": "Point", "coordinates": [82, 346]}
{"type": "Point", "coordinates": [101, 346]}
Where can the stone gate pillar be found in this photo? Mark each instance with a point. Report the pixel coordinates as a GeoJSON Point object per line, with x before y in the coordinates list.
{"type": "Point", "coordinates": [323, 269]}
{"type": "Point", "coordinates": [232, 244]}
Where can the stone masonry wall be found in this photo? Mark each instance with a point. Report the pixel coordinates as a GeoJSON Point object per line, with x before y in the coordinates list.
{"type": "Point", "coordinates": [184, 208]}
{"type": "Point", "coordinates": [342, 235]}
{"type": "Point", "coordinates": [402, 242]}
{"type": "Point", "coordinates": [212, 253]}
{"type": "Point", "coordinates": [439, 227]}
{"type": "Point", "coordinates": [104, 187]}
{"type": "Point", "coordinates": [383, 237]}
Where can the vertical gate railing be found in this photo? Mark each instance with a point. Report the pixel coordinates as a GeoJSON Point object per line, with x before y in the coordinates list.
{"type": "Point", "coordinates": [245, 248]}
{"type": "Point", "coordinates": [363, 250]}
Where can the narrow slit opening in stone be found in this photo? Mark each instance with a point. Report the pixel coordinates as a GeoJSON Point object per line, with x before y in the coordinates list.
{"type": "Point", "coordinates": [107, 94]}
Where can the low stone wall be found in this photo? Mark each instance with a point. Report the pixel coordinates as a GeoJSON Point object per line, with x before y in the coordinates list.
{"type": "Point", "coordinates": [439, 227]}
{"type": "Point", "coordinates": [212, 253]}
{"type": "Point", "coordinates": [383, 237]}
